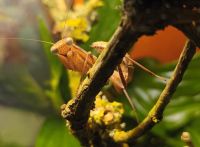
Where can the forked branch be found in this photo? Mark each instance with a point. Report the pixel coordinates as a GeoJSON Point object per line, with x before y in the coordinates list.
{"type": "Point", "coordinates": [156, 113]}
{"type": "Point", "coordinates": [140, 17]}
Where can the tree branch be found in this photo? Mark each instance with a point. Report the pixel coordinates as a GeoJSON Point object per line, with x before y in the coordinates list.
{"type": "Point", "coordinates": [156, 113]}
{"type": "Point", "coordinates": [141, 17]}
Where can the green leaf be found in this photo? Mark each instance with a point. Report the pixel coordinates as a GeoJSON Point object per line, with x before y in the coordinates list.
{"type": "Point", "coordinates": [108, 20]}
{"type": "Point", "coordinates": [54, 133]}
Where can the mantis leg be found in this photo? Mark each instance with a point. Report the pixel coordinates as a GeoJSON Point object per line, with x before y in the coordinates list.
{"type": "Point", "coordinates": [147, 70]}
{"type": "Point", "coordinates": [126, 93]}
{"type": "Point", "coordinates": [83, 69]}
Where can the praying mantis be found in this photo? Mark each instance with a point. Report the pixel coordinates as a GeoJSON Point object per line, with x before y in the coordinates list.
{"type": "Point", "coordinates": [77, 59]}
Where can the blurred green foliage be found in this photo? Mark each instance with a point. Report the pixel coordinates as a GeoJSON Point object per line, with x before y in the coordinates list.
{"type": "Point", "coordinates": [58, 82]}
{"type": "Point", "coordinates": [183, 112]}
{"type": "Point", "coordinates": [54, 133]}
{"type": "Point", "coordinates": [107, 21]}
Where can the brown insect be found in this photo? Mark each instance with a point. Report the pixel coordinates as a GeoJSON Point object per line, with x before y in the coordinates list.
{"type": "Point", "coordinates": [75, 58]}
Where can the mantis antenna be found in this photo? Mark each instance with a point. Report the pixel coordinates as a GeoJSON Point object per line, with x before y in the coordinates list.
{"type": "Point", "coordinates": [29, 39]}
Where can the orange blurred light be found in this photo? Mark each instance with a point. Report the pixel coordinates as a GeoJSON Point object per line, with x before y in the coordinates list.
{"type": "Point", "coordinates": [164, 46]}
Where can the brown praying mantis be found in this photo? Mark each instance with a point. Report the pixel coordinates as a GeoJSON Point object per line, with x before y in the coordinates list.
{"type": "Point", "coordinates": [77, 59]}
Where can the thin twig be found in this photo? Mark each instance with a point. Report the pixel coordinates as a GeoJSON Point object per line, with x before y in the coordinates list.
{"type": "Point", "coordinates": [156, 113]}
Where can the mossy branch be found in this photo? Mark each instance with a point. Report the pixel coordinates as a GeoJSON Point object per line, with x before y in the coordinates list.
{"type": "Point", "coordinates": [140, 17]}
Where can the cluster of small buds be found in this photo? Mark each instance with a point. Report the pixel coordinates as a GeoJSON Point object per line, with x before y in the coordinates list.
{"type": "Point", "coordinates": [106, 115]}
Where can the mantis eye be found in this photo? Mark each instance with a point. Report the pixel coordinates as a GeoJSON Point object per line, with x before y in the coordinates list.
{"type": "Point", "coordinates": [69, 41]}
